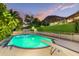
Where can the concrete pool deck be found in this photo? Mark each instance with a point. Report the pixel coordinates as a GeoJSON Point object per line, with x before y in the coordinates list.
{"type": "Point", "coordinates": [60, 51]}
{"type": "Point", "coordinates": [36, 52]}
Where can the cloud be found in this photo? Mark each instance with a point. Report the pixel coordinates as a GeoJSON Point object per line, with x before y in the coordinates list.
{"type": "Point", "coordinates": [64, 6]}
{"type": "Point", "coordinates": [60, 6]}
{"type": "Point", "coordinates": [43, 14]}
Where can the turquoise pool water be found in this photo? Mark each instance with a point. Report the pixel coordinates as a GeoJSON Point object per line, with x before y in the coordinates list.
{"type": "Point", "coordinates": [28, 41]}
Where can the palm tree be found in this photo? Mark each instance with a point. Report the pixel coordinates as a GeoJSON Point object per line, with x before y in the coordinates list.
{"type": "Point", "coordinates": [16, 15]}
{"type": "Point", "coordinates": [32, 21]}
{"type": "Point", "coordinates": [28, 20]}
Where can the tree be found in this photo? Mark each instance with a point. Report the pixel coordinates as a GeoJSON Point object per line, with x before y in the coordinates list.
{"type": "Point", "coordinates": [36, 22]}
{"type": "Point", "coordinates": [2, 7]}
{"type": "Point", "coordinates": [32, 21]}
{"type": "Point", "coordinates": [76, 26]}
{"type": "Point", "coordinates": [16, 15]}
{"type": "Point", "coordinates": [28, 20]}
{"type": "Point", "coordinates": [7, 22]}
{"type": "Point", "coordinates": [45, 23]}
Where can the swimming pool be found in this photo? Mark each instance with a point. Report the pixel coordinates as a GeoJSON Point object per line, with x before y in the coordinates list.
{"type": "Point", "coordinates": [28, 41]}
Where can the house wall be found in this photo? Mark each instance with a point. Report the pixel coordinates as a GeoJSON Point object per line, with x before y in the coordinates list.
{"type": "Point", "coordinates": [68, 20]}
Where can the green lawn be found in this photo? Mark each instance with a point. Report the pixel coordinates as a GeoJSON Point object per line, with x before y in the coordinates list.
{"type": "Point", "coordinates": [58, 28]}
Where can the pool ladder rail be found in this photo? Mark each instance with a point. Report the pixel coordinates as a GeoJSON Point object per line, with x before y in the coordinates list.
{"type": "Point", "coordinates": [53, 47]}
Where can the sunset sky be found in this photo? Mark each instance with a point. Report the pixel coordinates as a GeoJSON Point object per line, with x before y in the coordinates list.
{"type": "Point", "coordinates": [41, 10]}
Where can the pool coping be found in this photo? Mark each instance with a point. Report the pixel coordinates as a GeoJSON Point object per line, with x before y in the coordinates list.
{"type": "Point", "coordinates": [11, 46]}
